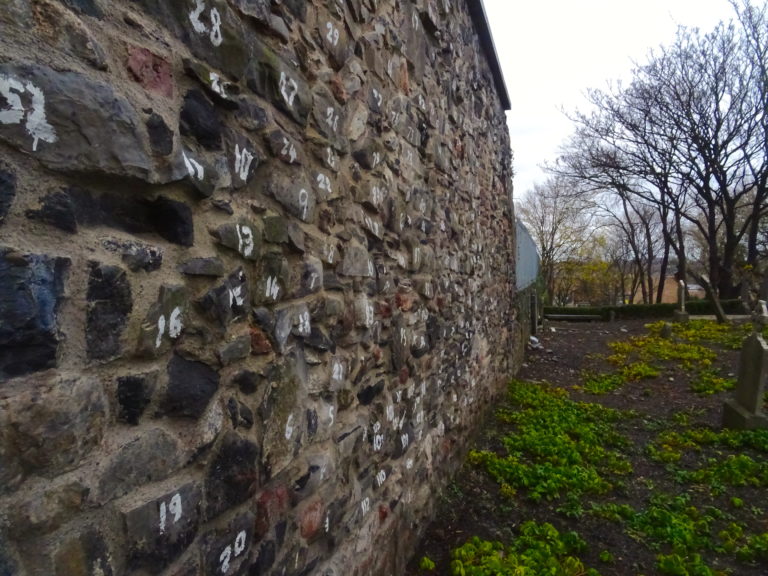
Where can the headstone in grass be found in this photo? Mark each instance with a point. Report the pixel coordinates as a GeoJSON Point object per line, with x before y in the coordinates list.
{"type": "Point", "coordinates": [745, 410]}
{"type": "Point", "coordinates": [680, 315]}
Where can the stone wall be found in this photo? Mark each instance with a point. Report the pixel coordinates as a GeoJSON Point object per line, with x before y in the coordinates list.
{"type": "Point", "coordinates": [256, 280]}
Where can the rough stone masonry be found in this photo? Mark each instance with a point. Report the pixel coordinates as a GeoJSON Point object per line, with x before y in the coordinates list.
{"type": "Point", "coordinates": [256, 280]}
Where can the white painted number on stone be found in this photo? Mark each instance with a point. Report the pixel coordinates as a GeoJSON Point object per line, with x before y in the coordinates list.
{"type": "Point", "coordinates": [338, 371]}
{"type": "Point", "coordinates": [365, 506]}
{"type": "Point", "coordinates": [245, 240]}
{"type": "Point", "coordinates": [288, 88]}
{"type": "Point", "coordinates": [381, 477]}
{"type": "Point", "coordinates": [390, 413]}
{"type": "Point", "coordinates": [226, 555]}
{"type": "Point", "coordinates": [331, 158]}
{"type": "Point", "coordinates": [273, 289]}
{"type": "Point", "coordinates": [376, 159]}
{"type": "Point", "coordinates": [331, 414]}
{"type": "Point", "coordinates": [217, 86]}
{"type": "Point", "coordinates": [304, 326]}
{"type": "Point", "coordinates": [405, 440]}
{"type": "Point", "coordinates": [378, 97]}
{"type": "Point", "coordinates": [289, 150]}
{"type": "Point", "coordinates": [160, 331]}
{"type": "Point", "coordinates": [324, 183]}
{"type": "Point", "coordinates": [175, 324]}
{"type": "Point", "coordinates": [36, 123]}
{"type": "Point", "coordinates": [289, 427]}
{"type": "Point", "coordinates": [332, 118]}
{"type": "Point", "coordinates": [236, 296]}
{"type": "Point", "coordinates": [378, 442]}
{"type": "Point", "coordinates": [201, 28]}
{"type": "Point", "coordinates": [194, 167]}
{"type": "Point", "coordinates": [303, 203]}
{"type": "Point", "coordinates": [174, 508]}
{"type": "Point", "coordinates": [333, 34]}
{"type": "Point", "coordinates": [243, 160]}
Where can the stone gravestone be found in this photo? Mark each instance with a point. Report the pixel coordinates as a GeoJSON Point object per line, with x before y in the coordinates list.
{"type": "Point", "coordinates": [680, 315]}
{"type": "Point", "coordinates": [745, 409]}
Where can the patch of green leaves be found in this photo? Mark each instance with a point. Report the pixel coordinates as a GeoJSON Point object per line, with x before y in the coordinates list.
{"type": "Point", "coordinates": [538, 549]}
{"type": "Point", "coordinates": [558, 447]}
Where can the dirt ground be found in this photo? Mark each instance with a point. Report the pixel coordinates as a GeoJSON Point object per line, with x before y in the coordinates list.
{"type": "Point", "coordinates": [472, 504]}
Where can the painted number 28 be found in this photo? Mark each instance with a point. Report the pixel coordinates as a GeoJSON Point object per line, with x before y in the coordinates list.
{"type": "Point", "coordinates": [215, 29]}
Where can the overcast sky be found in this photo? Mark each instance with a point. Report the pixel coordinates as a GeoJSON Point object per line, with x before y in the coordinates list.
{"type": "Point", "coordinates": [552, 51]}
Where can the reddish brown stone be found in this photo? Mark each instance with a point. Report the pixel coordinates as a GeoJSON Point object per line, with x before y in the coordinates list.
{"type": "Point", "coordinates": [271, 506]}
{"type": "Point", "coordinates": [150, 70]}
{"type": "Point", "coordinates": [260, 344]}
{"type": "Point", "coordinates": [383, 512]}
{"type": "Point", "coordinates": [404, 374]}
{"type": "Point", "coordinates": [405, 301]}
{"type": "Point", "coordinates": [311, 521]}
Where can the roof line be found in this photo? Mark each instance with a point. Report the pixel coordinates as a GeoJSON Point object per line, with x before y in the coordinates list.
{"type": "Point", "coordinates": [477, 11]}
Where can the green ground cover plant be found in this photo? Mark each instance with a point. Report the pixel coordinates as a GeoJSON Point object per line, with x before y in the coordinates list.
{"type": "Point", "coordinates": [696, 505]}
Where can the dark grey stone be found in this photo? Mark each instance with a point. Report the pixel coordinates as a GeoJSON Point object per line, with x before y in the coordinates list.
{"type": "Point", "coordinates": [151, 456]}
{"type": "Point", "coordinates": [7, 192]}
{"type": "Point", "coordinates": [87, 7]}
{"type": "Point", "coordinates": [72, 207]}
{"type": "Point", "coordinates": [265, 559]}
{"type": "Point", "coordinates": [229, 301]}
{"type": "Point", "coordinates": [160, 136]}
{"type": "Point", "coordinates": [229, 546]}
{"type": "Point", "coordinates": [57, 210]}
{"type": "Point", "coordinates": [200, 120]}
{"type": "Point", "coordinates": [109, 306]}
{"type": "Point", "coordinates": [85, 126]}
{"type": "Point", "coordinates": [247, 381]}
{"type": "Point", "coordinates": [203, 267]}
{"type": "Point", "coordinates": [136, 255]}
{"type": "Point", "coordinates": [368, 394]}
{"type": "Point", "coordinates": [160, 530]}
{"type": "Point", "coordinates": [245, 237]}
{"type": "Point", "coordinates": [134, 393]}
{"type": "Point", "coordinates": [31, 290]}
{"type": "Point", "coordinates": [238, 349]}
{"type": "Point", "coordinates": [172, 220]}
{"type": "Point", "coordinates": [234, 475]}
{"type": "Point", "coordinates": [191, 385]}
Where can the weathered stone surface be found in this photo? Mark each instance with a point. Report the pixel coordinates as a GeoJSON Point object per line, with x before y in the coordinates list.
{"type": "Point", "coordinates": [237, 349]}
{"type": "Point", "coordinates": [136, 255]}
{"type": "Point", "coordinates": [191, 385]}
{"type": "Point", "coordinates": [45, 512]}
{"type": "Point", "coordinates": [150, 456]}
{"type": "Point", "coordinates": [84, 553]}
{"type": "Point", "coordinates": [7, 192]}
{"type": "Point", "coordinates": [160, 136]}
{"type": "Point", "coordinates": [109, 304]}
{"type": "Point", "coordinates": [78, 124]}
{"type": "Point", "coordinates": [87, 7]}
{"type": "Point", "coordinates": [31, 290]}
{"type": "Point", "coordinates": [234, 474]}
{"type": "Point", "coordinates": [150, 70]}
{"type": "Point", "coordinates": [70, 414]}
{"type": "Point", "coordinates": [134, 393]}
{"type": "Point", "coordinates": [356, 261]}
{"type": "Point", "coordinates": [158, 531]}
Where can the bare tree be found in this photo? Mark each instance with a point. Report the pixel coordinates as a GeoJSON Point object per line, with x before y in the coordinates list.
{"type": "Point", "coordinates": [689, 136]}
{"type": "Point", "coordinates": [558, 221]}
